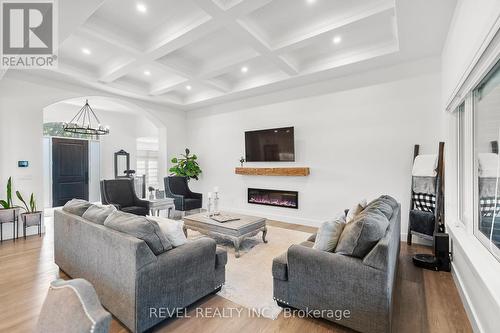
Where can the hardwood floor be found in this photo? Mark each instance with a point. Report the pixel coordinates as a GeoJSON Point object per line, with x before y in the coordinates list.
{"type": "Point", "coordinates": [425, 301]}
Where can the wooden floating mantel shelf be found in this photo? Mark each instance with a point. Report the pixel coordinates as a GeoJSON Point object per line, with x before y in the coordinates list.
{"type": "Point", "coordinates": [293, 172]}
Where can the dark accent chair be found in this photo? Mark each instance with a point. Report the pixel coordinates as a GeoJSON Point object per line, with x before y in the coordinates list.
{"type": "Point", "coordinates": [176, 187]}
{"type": "Point", "coordinates": [121, 194]}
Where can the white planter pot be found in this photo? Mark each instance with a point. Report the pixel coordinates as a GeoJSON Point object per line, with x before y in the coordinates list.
{"type": "Point", "coordinates": [9, 215]}
{"type": "Point", "coordinates": [32, 219]}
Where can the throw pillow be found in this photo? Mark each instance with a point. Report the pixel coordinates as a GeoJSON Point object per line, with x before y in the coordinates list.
{"type": "Point", "coordinates": [139, 227]}
{"type": "Point", "coordinates": [98, 213]}
{"type": "Point", "coordinates": [359, 236]}
{"type": "Point", "coordinates": [355, 210]}
{"type": "Point", "coordinates": [329, 233]}
{"type": "Point", "coordinates": [172, 229]}
{"type": "Point", "coordinates": [76, 206]}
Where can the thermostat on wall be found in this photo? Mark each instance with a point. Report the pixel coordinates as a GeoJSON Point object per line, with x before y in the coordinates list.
{"type": "Point", "coordinates": [22, 164]}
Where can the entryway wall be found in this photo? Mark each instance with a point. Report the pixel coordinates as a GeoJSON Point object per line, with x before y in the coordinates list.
{"type": "Point", "coordinates": [126, 127]}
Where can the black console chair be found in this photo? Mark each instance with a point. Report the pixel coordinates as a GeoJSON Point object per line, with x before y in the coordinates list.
{"type": "Point", "coordinates": [121, 194]}
{"type": "Point", "coordinates": [176, 187]}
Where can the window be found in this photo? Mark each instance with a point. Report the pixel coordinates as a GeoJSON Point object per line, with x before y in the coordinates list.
{"type": "Point", "coordinates": [486, 138]}
{"type": "Point", "coordinates": [461, 161]}
{"type": "Point", "coordinates": [147, 161]}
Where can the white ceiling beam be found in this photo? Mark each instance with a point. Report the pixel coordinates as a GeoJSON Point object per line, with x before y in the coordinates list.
{"type": "Point", "coordinates": [223, 68]}
{"type": "Point", "coordinates": [182, 38]}
{"type": "Point", "coordinates": [171, 44]}
{"type": "Point", "coordinates": [246, 7]}
{"type": "Point", "coordinates": [245, 34]}
{"type": "Point", "coordinates": [161, 89]}
{"type": "Point", "coordinates": [379, 8]}
{"type": "Point", "coordinates": [101, 36]}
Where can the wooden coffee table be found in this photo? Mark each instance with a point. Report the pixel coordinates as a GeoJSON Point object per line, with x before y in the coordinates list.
{"type": "Point", "coordinates": [234, 231]}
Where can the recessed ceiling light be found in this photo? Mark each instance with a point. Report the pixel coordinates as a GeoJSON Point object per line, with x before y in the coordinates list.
{"type": "Point", "coordinates": [244, 69]}
{"type": "Point", "coordinates": [141, 8]}
{"type": "Point", "coordinates": [336, 39]}
{"type": "Point", "coordinates": [311, 2]}
{"type": "Point", "coordinates": [86, 51]}
{"type": "Point", "coordinates": [188, 87]}
{"type": "Point", "coordinates": [147, 73]}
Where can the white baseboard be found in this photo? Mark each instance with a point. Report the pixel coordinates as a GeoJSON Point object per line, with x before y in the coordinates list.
{"type": "Point", "coordinates": [464, 296]}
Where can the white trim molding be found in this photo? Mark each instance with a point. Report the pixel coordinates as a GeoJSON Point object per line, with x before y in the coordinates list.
{"type": "Point", "coordinates": [484, 59]}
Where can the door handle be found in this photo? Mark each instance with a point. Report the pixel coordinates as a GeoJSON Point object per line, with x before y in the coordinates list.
{"type": "Point", "coordinates": [86, 178]}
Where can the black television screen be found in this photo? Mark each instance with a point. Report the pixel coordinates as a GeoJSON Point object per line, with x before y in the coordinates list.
{"type": "Point", "coordinates": [270, 145]}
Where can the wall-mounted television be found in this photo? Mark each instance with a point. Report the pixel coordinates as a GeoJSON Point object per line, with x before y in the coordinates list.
{"type": "Point", "coordinates": [270, 145]}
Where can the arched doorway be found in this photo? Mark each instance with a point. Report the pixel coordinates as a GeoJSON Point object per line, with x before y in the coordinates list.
{"type": "Point", "coordinates": [92, 158]}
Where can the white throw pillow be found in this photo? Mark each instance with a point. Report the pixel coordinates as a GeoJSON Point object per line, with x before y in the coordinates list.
{"type": "Point", "coordinates": [329, 233]}
{"type": "Point", "coordinates": [355, 210]}
{"type": "Point", "coordinates": [172, 229]}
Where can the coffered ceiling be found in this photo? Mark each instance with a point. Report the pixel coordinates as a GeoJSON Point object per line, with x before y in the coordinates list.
{"type": "Point", "coordinates": [188, 53]}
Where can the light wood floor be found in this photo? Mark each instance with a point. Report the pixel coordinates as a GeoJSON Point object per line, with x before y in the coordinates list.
{"type": "Point", "coordinates": [425, 301]}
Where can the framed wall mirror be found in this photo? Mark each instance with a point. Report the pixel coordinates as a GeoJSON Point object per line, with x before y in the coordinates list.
{"type": "Point", "coordinates": [122, 164]}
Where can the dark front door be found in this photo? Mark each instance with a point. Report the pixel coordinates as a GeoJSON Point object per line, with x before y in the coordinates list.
{"type": "Point", "coordinates": [70, 170]}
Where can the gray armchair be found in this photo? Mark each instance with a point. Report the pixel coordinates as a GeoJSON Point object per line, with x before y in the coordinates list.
{"type": "Point", "coordinates": [309, 279]}
{"type": "Point", "coordinates": [72, 306]}
{"type": "Point", "coordinates": [121, 194]}
{"type": "Point", "coordinates": [176, 187]}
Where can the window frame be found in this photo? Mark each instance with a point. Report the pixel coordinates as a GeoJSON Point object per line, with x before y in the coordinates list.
{"type": "Point", "coordinates": [485, 241]}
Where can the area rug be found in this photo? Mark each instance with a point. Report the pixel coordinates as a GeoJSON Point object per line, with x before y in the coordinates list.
{"type": "Point", "coordinates": [249, 280]}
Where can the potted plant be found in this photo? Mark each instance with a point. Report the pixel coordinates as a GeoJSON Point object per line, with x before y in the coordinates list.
{"type": "Point", "coordinates": [32, 216]}
{"type": "Point", "coordinates": [186, 166]}
{"type": "Point", "coordinates": [8, 212]}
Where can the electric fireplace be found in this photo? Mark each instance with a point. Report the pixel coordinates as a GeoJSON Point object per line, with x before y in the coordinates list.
{"type": "Point", "coordinates": [277, 198]}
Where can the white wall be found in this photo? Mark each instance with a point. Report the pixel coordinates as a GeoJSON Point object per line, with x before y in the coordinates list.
{"type": "Point", "coordinates": [22, 99]}
{"type": "Point", "coordinates": [358, 144]}
{"type": "Point", "coordinates": [472, 22]}
{"type": "Point", "coordinates": [475, 270]}
{"type": "Point", "coordinates": [126, 128]}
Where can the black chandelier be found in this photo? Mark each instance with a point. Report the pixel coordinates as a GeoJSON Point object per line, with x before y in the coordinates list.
{"type": "Point", "coordinates": [86, 122]}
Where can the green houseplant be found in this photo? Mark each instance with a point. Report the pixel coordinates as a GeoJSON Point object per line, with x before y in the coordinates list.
{"type": "Point", "coordinates": [186, 166]}
{"type": "Point", "coordinates": [8, 212]}
{"type": "Point", "coordinates": [32, 216]}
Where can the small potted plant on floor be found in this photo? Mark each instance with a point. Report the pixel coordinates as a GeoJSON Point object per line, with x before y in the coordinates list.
{"type": "Point", "coordinates": [8, 212]}
{"type": "Point", "coordinates": [32, 217]}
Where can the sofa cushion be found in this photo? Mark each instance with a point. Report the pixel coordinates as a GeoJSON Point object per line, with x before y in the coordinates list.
{"type": "Point", "coordinates": [355, 210]}
{"type": "Point", "coordinates": [98, 213]}
{"type": "Point", "coordinates": [380, 206]}
{"type": "Point", "coordinates": [359, 236]}
{"type": "Point", "coordinates": [280, 267]}
{"type": "Point", "coordinates": [76, 206]}
{"type": "Point", "coordinates": [329, 233]}
{"type": "Point", "coordinates": [389, 200]}
{"type": "Point", "coordinates": [139, 227]}
{"type": "Point", "coordinates": [307, 244]}
{"type": "Point", "coordinates": [172, 229]}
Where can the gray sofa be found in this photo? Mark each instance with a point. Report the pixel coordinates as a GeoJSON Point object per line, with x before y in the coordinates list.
{"type": "Point", "coordinates": [132, 283]}
{"type": "Point", "coordinates": [308, 279]}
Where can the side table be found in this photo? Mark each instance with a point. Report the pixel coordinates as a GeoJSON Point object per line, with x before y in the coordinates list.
{"type": "Point", "coordinates": [156, 205]}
